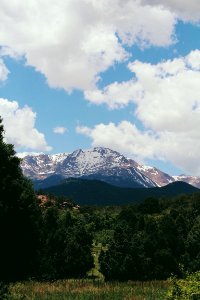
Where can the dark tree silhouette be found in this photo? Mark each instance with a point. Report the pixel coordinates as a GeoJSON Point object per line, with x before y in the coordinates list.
{"type": "Point", "coordinates": [19, 218]}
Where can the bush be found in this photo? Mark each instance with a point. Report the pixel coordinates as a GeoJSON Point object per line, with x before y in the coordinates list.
{"type": "Point", "coordinates": [4, 292]}
{"type": "Point", "coordinates": [185, 289]}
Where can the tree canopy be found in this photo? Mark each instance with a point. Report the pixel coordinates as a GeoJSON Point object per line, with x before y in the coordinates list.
{"type": "Point", "coordinates": [154, 240]}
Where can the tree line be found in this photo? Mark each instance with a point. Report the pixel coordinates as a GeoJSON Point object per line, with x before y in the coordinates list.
{"type": "Point", "coordinates": [154, 240]}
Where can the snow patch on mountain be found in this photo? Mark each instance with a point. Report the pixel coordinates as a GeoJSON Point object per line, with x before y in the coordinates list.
{"type": "Point", "coordinates": [99, 163]}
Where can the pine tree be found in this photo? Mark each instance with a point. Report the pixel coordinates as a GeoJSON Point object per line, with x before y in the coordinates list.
{"type": "Point", "coordinates": [19, 218]}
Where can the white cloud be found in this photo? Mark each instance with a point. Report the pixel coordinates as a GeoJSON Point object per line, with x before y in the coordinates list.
{"type": "Point", "coordinates": [3, 71]}
{"type": "Point", "coordinates": [72, 42]}
{"type": "Point", "coordinates": [169, 94]}
{"type": "Point", "coordinates": [115, 95]}
{"type": "Point", "coordinates": [186, 10]}
{"type": "Point", "coordinates": [7, 51]}
{"type": "Point", "coordinates": [167, 100]}
{"type": "Point", "coordinates": [19, 125]}
{"type": "Point", "coordinates": [124, 137]}
{"type": "Point", "coordinates": [193, 60]}
{"type": "Point", "coordinates": [59, 130]}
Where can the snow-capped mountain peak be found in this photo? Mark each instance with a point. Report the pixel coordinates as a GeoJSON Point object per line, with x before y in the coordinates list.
{"type": "Point", "coordinates": [98, 163]}
{"type": "Point", "coordinates": [102, 164]}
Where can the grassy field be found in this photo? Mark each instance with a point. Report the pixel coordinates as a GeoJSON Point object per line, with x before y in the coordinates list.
{"type": "Point", "coordinates": [88, 290]}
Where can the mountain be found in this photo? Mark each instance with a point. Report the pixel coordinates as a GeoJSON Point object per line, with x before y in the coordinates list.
{"type": "Point", "coordinates": [193, 180]}
{"type": "Point", "coordinates": [40, 184]}
{"type": "Point", "coordinates": [94, 192]}
{"type": "Point", "coordinates": [100, 163]}
{"type": "Point", "coordinates": [41, 166]}
{"type": "Point", "coordinates": [159, 177]}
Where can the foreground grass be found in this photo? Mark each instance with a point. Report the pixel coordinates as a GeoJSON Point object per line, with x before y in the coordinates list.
{"type": "Point", "coordinates": [88, 290]}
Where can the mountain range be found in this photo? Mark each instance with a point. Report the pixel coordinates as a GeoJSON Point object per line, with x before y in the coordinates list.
{"type": "Point", "coordinates": [97, 164]}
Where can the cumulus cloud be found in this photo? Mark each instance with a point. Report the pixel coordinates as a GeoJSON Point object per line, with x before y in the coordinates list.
{"type": "Point", "coordinates": [167, 100]}
{"type": "Point", "coordinates": [186, 10]}
{"type": "Point", "coordinates": [115, 95]}
{"type": "Point", "coordinates": [59, 130]}
{"type": "Point", "coordinates": [72, 42]}
{"type": "Point", "coordinates": [19, 125]}
{"type": "Point", "coordinates": [124, 137]}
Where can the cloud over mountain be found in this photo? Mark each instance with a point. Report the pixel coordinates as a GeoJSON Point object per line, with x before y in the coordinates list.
{"type": "Point", "coordinates": [167, 99]}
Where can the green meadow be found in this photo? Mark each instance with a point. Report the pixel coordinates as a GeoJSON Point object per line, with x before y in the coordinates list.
{"type": "Point", "coordinates": [88, 290]}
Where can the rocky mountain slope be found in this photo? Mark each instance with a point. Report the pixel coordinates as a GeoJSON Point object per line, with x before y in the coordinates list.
{"type": "Point", "coordinates": [159, 177]}
{"type": "Point", "coordinates": [100, 164]}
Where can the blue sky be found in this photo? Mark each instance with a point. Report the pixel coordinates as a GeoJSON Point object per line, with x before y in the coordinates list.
{"type": "Point", "coordinates": [118, 74]}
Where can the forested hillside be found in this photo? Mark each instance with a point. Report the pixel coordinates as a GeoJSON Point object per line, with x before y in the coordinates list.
{"type": "Point", "coordinates": [96, 192]}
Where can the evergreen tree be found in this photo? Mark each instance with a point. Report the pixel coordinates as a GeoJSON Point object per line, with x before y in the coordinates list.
{"type": "Point", "coordinates": [67, 245]}
{"type": "Point", "coordinates": [19, 218]}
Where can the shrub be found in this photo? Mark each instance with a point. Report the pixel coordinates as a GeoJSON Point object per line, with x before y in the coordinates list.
{"type": "Point", "coordinates": [185, 289]}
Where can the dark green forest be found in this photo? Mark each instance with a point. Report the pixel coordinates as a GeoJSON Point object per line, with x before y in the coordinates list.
{"type": "Point", "coordinates": [154, 240]}
{"type": "Point", "coordinates": [54, 240]}
{"type": "Point", "coordinates": [96, 192]}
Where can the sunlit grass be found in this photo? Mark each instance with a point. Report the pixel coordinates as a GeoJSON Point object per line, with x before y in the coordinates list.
{"type": "Point", "coordinates": [88, 290]}
{"type": "Point", "coordinates": [95, 272]}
